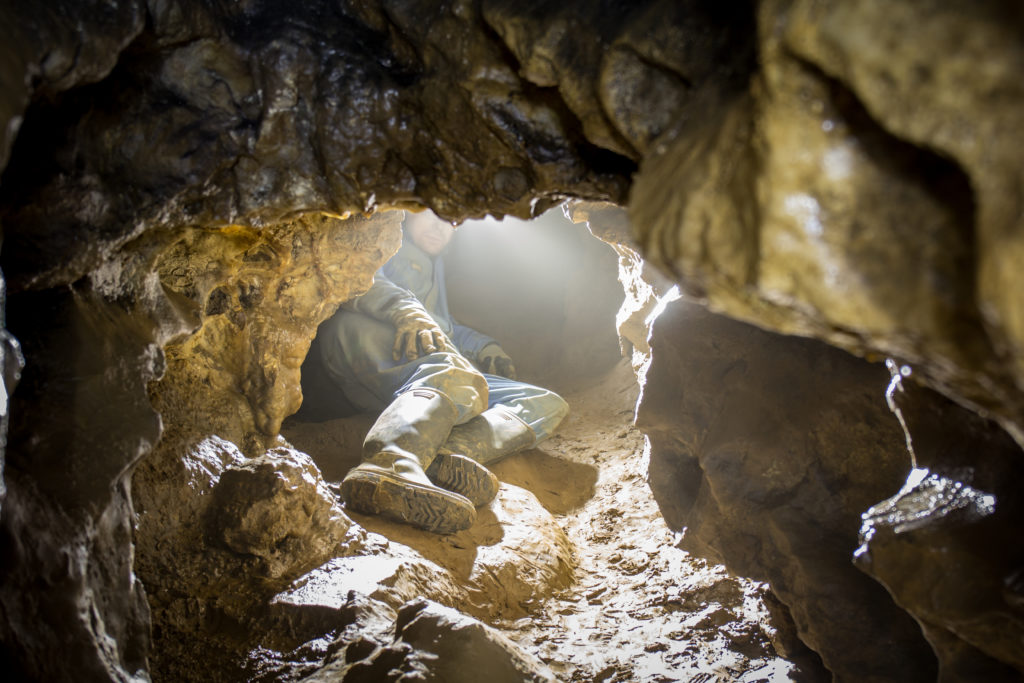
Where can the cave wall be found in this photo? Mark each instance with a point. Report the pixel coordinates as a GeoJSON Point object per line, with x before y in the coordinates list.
{"type": "Point", "coordinates": [780, 457]}
{"type": "Point", "coordinates": [765, 450]}
{"type": "Point", "coordinates": [836, 170]}
{"type": "Point", "coordinates": [247, 113]}
{"type": "Point", "coordinates": [862, 190]}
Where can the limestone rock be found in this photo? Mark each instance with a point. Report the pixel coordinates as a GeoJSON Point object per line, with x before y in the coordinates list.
{"type": "Point", "coordinates": [278, 509]}
{"type": "Point", "coordinates": [514, 556]}
{"type": "Point", "coordinates": [848, 171]}
{"type": "Point", "coordinates": [523, 557]}
{"type": "Point", "coordinates": [947, 545]}
{"type": "Point", "coordinates": [857, 190]}
{"type": "Point", "coordinates": [57, 46]}
{"type": "Point", "coordinates": [436, 643]}
{"type": "Point", "coordinates": [258, 297]}
{"type": "Point", "coordinates": [466, 650]}
{"type": "Point", "coordinates": [764, 452]}
{"type": "Point", "coordinates": [342, 611]}
{"type": "Point", "coordinates": [80, 421]}
{"type": "Point", "coordinates": [966, 105]}
{"type": "Point", "coordinates": [12, 361]}
{"type": "Point", "coordinates": [628, 71]}
{"type": "Point", "coordinates": [256, 112]}
{"type": "Point", "coordinates": [218, 536]}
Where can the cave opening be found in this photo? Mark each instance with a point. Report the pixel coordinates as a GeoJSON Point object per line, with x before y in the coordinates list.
{"type": "Point", "coordinates": [573, 562]}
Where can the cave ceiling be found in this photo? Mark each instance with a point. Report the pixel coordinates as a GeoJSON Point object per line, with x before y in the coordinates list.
{"type": "Point", "coordinates": [816, 168]}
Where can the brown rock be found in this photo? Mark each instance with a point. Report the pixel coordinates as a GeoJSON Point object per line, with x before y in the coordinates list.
{"type": "Point", "coordinates": [764, 452]}
{"type": "Point", "coordinates": [278, 509]}
{"type": "Point", "coordinates": [848, 171]}
{"type": "Point", "coordinates": [465, 649]}
{"type": "Point", "coordinates": [946, 546]}
{"type": "Point", "coordinates": [254, 113]}
{"type": "Point", "coordinates": [258, 297]}
{"type": "Point", "coordinates": [858, 190]}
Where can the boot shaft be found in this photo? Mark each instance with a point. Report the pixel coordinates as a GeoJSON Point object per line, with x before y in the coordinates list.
{"type": "Point", "coordinates": [490, 436]}
{"type": "Point", "coordinates": [415, 424]}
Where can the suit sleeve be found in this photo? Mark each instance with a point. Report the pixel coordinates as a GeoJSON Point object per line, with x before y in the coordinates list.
{"type": "Point", "coordinates": [384, 300]}
{"type": "Point", "coordinates": [469, 341]}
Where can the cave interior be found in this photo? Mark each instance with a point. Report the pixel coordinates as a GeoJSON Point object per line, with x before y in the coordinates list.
{"type": "Point", "coordinates": [769, 251]}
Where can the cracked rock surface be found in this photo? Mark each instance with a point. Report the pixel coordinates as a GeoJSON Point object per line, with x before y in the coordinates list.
{"type": "Point", "coordinates": [180, 177]}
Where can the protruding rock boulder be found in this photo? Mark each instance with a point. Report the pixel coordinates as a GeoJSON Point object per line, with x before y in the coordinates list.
{"type": "Point", "coordinates": [947, 546]}
{"type": "Point", "coordinates": [440, 644]}
{"type": "Point", "coordinates": [278, 509]}
{"type": "Point", "coordinates": [765, 450]}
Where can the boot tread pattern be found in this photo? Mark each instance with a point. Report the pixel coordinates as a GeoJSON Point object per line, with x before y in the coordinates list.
{"type": "Point", "coordinates": [397, 499]}
{"type": "Point", "coordinates": [464, 476]}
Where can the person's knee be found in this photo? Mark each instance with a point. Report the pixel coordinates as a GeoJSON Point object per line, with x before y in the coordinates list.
{"type": "Point", "coordinates": [559, 409]}
{"type": "Point", "coordinates": [456, 378]}
{"type": "Point", "coordinates": [475, 392]}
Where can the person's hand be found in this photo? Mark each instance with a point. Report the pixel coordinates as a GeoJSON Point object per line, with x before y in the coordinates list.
{"type": "Point", "coordinates": [416, 331]}
{"type": "Point", "coordinates": [494, 361]}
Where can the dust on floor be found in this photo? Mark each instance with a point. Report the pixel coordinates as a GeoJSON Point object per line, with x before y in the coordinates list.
{"type": "Point", "coordinates": [641, 609]}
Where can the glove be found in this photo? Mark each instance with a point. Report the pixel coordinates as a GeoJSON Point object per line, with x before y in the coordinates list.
{"type": "Point", "coordinates": [493, 360]}
{"type": "Point", "coordinates": [416, 331]}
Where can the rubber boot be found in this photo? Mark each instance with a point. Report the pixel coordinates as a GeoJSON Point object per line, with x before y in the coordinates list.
{"type": "Point", "coordinates": [487, 438]}
{"type": "Point", "coordinates": [391, 481]}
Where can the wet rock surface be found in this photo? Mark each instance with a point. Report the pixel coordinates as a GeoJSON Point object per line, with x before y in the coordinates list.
{"type": "Point", "coordinates": [207, 578]}
{"type": "Point", "coordinates": [82, 422]}
{"type": "Point", "coordinates": [858, 191]}
{"type": "Point", "coordinates": [847, 171]}
{"type": "Point", "coordinates": [251, 113]}
{"type": "Point", "coordinates": [946, 545]}
{"type": "Point", "coordinates": [765, 450]}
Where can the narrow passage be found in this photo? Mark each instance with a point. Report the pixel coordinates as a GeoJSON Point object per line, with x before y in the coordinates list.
{"type": "Point", "coordinates": [641, 609]}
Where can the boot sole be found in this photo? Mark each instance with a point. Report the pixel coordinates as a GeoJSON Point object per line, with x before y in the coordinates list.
{"type": "Point", "coordinates": [464, 476]}
{"type": "Point", "coordinates": [392, 497]}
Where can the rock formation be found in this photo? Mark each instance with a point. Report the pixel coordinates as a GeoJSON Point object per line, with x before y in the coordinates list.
{"type": "Point", "coordinates": [861, 190]}
{"type": "Point", "coordinates": [765, 450]}
{"type": "Point", "coordinates": [945, 546]}
{"type": "Point", "coordinates": [179, 184]}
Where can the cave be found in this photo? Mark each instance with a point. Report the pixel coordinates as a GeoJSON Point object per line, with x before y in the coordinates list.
{"type": "Point", "coordinates": [769, 250]}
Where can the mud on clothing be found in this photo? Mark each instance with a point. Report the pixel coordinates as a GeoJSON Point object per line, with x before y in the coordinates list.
{"type": "Point", "coordinates": [357, 344]}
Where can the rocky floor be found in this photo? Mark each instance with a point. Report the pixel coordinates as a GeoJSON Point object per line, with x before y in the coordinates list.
{"type": "Point", "coordinates": [641, 609]}
{"type": "Point", "coordinates": [631, 606]}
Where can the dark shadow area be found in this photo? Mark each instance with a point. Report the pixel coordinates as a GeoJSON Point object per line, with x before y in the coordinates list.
{"type": "Point", "coordinates": [336, 445]}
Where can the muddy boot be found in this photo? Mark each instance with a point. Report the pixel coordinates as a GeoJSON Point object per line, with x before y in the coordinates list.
{"type": "Point", "coordinates": [485, 439]}
{"type": "Point", "coordinates": [391, 481]}
{"type": "Point", "coordinates": [464, 476]}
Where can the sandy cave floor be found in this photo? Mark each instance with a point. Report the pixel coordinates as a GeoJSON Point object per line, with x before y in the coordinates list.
{"type": "Point", "coordinates": [639, 609]}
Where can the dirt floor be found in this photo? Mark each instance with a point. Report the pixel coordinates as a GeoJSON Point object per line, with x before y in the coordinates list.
{"type": "Point", "coordinates": [641, 609]}
{"type": "Point", "coordinates": [638, 608]}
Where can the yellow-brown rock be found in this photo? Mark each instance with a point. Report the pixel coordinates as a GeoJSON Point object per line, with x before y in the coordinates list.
{"type": "Point", "coordinates": [259, 296]}
{"type": "Point", "coordinates": [848, 171]}
{"type": "Point", "coordinates": [859, 189]}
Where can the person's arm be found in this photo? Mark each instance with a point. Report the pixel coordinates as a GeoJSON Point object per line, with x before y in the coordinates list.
{"type": "Point", "coordinates": [379, 300]}
{"type": "Point", "coordinates": [484, 351]}
{"type": "Point", "coordinates": [469, 341]}
{"type": "Point", "coordinates": [415, 329]}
